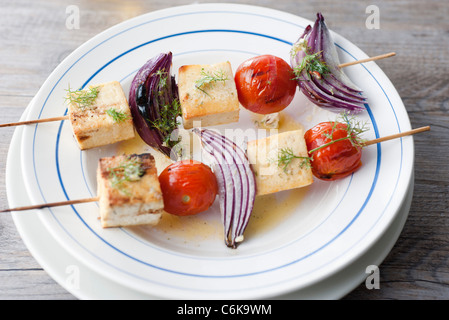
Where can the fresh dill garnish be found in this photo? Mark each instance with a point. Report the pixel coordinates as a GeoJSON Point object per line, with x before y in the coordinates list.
{"type": "Point", "coordinates": [353, 128]}
{"type": "Point", "coordinates": [82, 98]}
{"type": "Point", "coordinates": [130, 169]}
{"type": "Point", "coordinates": [286, 156]}
{"type": "Point", "coordinates": [209, 78]}
{"type": "Point", "coordinates": [117, 116]}
{"type": "Point", "coordinates": [162, 79]}
{"type": "Point", "coordinates": [169, 108]}
{"type": "Point", "coordinates": [168, 121]}
{"type": "Point", "coordinates": [312, 63]}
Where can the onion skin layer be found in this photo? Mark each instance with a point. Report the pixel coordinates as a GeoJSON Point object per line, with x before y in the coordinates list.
{"type": "Point", "coordinates": [147, 97]}
{"type": "Point", "coordinates": [334, 90]}
{"type": "Point", "coordinates": [236, 183]}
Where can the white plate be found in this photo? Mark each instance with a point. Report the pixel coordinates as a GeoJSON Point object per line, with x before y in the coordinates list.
{"type": "Point", "coordinates": [89, 284]}
{"type": "Point", "coordinates": [329, 226]}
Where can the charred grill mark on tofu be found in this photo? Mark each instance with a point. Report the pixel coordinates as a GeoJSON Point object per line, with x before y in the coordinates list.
{"type": "Point", "coordinates": [138, 200]}
{"type": "Point", "coordinates": [83, 138]}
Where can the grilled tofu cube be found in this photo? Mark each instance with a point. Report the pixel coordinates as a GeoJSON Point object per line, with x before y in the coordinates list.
{"type": "Point", "coordinates": [129, 191]}
{"type": "Point", "coordinates": [207, 93]}
{"type": "Point", "coordinates": [100, 115]}
{"type": "Point", "coordinates": [271, 174]}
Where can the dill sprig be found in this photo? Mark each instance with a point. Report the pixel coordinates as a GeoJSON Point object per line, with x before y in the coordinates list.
{"type": "Point", "coordinates": [162, 79]}
{"type": "Point", "coordinates": [82, 98]}
{"type": "Point", "coordinates": [168, 121]}
{"type": "Point", "coordinates": [353, 128]}
{"type": "Point", "coordinates": [312, 63]}
{"type": "Point", "coordinates": [169, 110]}
{"type": "Point", "coordinates": [117, 116]}
{"type": "Point", "coordinates": [209, 78]}
{"type": "Point", "coordinates": [130, 169]}
{"type": "Point", "coordinates": [286, 156]}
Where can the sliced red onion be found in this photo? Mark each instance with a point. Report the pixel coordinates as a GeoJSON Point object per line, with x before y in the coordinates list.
{"type": "Point", "coordinates": [152, 89]}
{"type": "Point", "coordinates": [236, 183]}
{"type": "Point", "coordinates": [333, 90]}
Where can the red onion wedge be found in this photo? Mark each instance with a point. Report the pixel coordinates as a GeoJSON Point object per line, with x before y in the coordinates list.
{"type": "Point", "coordinates": [154, 103]}
{"type": "Point", "coordinates": [315, 60]}
{"type": "Point", "coordinates": [236, 183]}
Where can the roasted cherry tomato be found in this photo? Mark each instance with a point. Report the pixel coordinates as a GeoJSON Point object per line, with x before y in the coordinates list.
{"type": "Point", "coordinates": [188, 187]}
{"type": "Point", "coordinates": [337, 160]}
{"type": "Point", "coordinates": [265, 84]}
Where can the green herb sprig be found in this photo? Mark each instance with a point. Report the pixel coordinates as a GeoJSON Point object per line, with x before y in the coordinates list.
{"type": "Point", "coordinates": [312, 63]}
{"type": "Point", "coordinates": [130, 169]}
{"type": "Point", "coordinates": [168, 121]}
{"type": "Point", "coordinates": [162, 79]}
{"type": "Point", "coordinates": [82, 98]}
{"type": "Point", "coordinates": [286, 156]}
{"type": "Point", "coordinates": [209, 78]}
{"type": "Point", "coordinates": [117, 116]}
{"type": "Point", "coordinates": [353, 128]}
{"type": "Point", "coordinates": [169, 110]}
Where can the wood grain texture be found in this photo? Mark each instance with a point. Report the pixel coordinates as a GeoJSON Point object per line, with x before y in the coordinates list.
{"type": "Point", "coordinates": [34, 40]}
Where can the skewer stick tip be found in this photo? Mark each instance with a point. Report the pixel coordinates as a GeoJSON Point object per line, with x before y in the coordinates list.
{"type": "Point", "coordinates": [397, 135]}
{"type": "Point", "coordinates": [382, 56]}
{"type": "Point", "coordinates": [52, 204]}
{"type": "Point", "coordinates": [20, 123]}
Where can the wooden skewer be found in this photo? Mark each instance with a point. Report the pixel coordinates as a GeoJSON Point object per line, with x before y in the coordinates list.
{"type": "Point", "coordinates": [34, 121]}
{"type": "Point", "coordinates": [70, 202]}
{"type": "Point", "coordinates": [52, 204]}
{"type": "Point", "coordinates": [382, 56]}
{"type": "Point", "coordinates": [61, 118]}
{"type": "Point", "coordinates": [397, 135]}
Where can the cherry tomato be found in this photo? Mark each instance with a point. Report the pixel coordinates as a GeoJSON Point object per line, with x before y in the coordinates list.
{"type": "Point", "coordinates": [337, 160]}
{"type": "Point", "coordinates": [265, 84]}
{"type": "Point", "coordinates": [188, 187]}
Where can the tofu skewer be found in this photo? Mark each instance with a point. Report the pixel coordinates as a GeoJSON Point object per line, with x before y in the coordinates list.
{"type": "Point", "coordinates": [231, 112]}
{"type": "Point", "coordinates": [128, 192]}
{"type": "Point", "coordinates": [152, 184]}
{"type": "Point", "coordinates": [99, 115]}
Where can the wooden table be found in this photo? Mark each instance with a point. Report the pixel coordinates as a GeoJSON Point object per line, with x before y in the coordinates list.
{"type": "Point", "coordinates": [34, 39]}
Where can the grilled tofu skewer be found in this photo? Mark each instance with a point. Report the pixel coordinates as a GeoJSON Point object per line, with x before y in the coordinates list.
{"type": "Point", "coordinates": [110, 186]}
{"type": "Point", "coordinates": [62, 118]}
{"type": "Point", "coordinates": [128, 192]}
{"type": "Point", "coordinates": [99, 115]}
